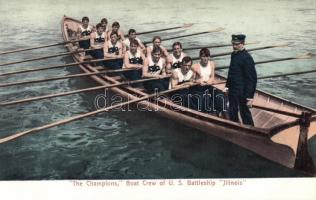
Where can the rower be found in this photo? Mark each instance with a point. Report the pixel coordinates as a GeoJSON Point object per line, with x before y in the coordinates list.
{"type": "Point", "coordinates": [115, 28]}
{"type": "Point", "coordinates": [104, 23]}
{"type": "Point", "coordinates": [157, 43]}
{"type": "Point", "coordinates": [84, 31]}
{"type": "Point", "coordinates": [183, 74]}
{"type": "Point", "coordinates": [97, 41]}
{"type": "Point", "coordinates": [134, 58]}
{"type": "Point", "coordinates": [155, 68]}
{"type": "Point", "coordinates": [177, 55]}
{"type": "Point", "coordinates": [205, 93]}
{"type": "Point", "coordinates": [113, 49]}
{"type": "Point", "coordinates": [132, 36]}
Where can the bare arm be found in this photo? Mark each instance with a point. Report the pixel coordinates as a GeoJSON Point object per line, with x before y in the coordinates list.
{"type": "Point", "coordinates": [211, 80]}
{"type": "Point", "coordinates": [174, 80]}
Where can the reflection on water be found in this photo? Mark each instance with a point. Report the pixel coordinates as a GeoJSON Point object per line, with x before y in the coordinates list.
{"type": "Point", "coordinates": [137, 144]}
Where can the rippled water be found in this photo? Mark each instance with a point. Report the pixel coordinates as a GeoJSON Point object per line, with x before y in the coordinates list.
{"type": "Point", "coordinates": [138, 144]}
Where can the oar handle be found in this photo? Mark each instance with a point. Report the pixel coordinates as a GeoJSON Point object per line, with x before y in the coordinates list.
{"type": "Point", "coordinates": [77, 117]}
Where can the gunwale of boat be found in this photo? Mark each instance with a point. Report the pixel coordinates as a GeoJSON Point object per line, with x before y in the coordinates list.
{"type": "Point", "coordinates": [228, 130]}
{"type": "Point", "coordinates": [258, 92]}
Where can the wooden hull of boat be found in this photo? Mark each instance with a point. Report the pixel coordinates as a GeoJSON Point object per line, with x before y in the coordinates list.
{"type": "Point", "coordinates": [278, 146]}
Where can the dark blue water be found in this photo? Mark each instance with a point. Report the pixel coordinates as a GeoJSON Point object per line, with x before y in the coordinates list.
{"type": "Point", "coordinates": [124, 145]}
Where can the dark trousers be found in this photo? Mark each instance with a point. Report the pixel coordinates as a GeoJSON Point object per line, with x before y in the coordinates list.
{"type": "Point", "coordinates": [97, 53]}
{"type": "Point", "coordinates": [156, 85]}
{"type": "Point", "coordinates": [207, 99]}
{"type": "Point", "coordinates": [134, 75]}
{"type": "Point", "coordinates": [85, 44]}
{"type": "Point", "coordinates": [237, 103]}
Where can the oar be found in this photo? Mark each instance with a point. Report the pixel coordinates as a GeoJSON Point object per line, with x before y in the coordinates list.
{"type": "Point", "coordinates": [64, 77]}
{"type": "Point", "coordinates": [304, 56]}
{"type": "Point", "coordinates": [53, 67]}
{"type": "Point", "coordinates": [188, 35]}
{"type": "Point", "coordinates": [76, 91]}
{"type": "Point", "coordinates": [49, 56]}
{"type": "Point", "coordinates": [135, 100]}
{"type": "Point", "coordinates": [40, 47]}
{"type": "Point", "coordinates": [212, 46]}
{"type": "Point", "coordinates": [253, 49]}
{"type": "Point", "coordinates": [277, 75]}
{"type": "Point", "coordinates": [164, 29]}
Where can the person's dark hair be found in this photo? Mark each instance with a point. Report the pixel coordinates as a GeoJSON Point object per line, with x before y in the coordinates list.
{"type": "Point", "coordinates": [130, 31]}
{"type": "Point", "coordinates": [134, 42]}
{"type": "Point", "coordinates": [113, 33]}
{"type": "Point", "coordinates": [85, 19]}
{"type": "Point", "coordinates": [175, 44]}
{"type": "Point", "coordinates": [156, 37]}
{"type": "Point", "coordinates": [156, 50]}
{"type": "Point", "coordinates": [186, 59]}
{"type": "Point", "coordinates": [116, 24]}
{"type": "Point", "coordinates": [205, 52]}
{"type": "Point", "coordinates": [104, 20]}
{"type": "Point", "coordinates": [99, 25]}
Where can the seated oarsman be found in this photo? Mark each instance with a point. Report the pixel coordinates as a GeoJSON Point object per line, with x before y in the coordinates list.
{"type": "Point", "coordinates": [177, 55]}
{"type": "Point", "coordinates": [116, 29]}
{"type": "Point", "coordinates": [180, 77]}
{"type": "Point", "coordinates": [157, 44]}
{"type": "Point", "coordinates": [204, 95]}
{"type": "Point", "coordinates": [132, 36]}
{"type": "Point", "coordinates": [104, 23]}
{"type": "Point", "coordinates": [84, 31]}
{"type": "Point", "coordinates": [155, 68]}
{"type": "Point", "coordinates": [134, 58]}
{"type": "Point", "coordinates": [97, 41]}
{"type": "Point", "coordinates": [113, 49]}
{"type": "Point", "coordinates": [183, 74]}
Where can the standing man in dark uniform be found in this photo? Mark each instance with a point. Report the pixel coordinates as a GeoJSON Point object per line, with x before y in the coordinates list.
{"type": "Point", "coordinates": [241, 81]}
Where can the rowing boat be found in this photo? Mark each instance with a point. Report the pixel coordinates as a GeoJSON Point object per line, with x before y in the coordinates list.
{"type": "Point", "coordinates": [278, 137]}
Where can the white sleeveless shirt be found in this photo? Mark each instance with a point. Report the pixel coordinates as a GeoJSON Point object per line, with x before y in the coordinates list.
{"type": "Point", "coordinates": [176, 61]}
{"type": "Point", "coordinates": [205, 72]}
{"type": "Point", "coordinates": [155, 68]}
{"type": "Point", "coordinates": [183, 77]}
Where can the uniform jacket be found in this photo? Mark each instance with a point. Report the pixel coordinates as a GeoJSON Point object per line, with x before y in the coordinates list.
{"type": "Point", "coordinates": [242, 75]}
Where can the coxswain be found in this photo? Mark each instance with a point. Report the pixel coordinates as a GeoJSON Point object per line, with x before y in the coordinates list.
{"type": "Point", "coordinates": [97, 41]}
{"type": "Point", "coordinates": [157, 43]}
{"type": "Point", "coordinates": [84, 31]}
{"type": "Point", "coordinates": [104, 23]}
{"type": "Point", "coordinates": [134, 58]}
{"type": "Point", "coordinates": [132, 36]}
{"type": "Point", "coordinates": [116, 28]}
{"type": "Point", "coordinates": [241, 81]}
{"type": "Point", "coordinates": [113, 49]}
{"type": "Point", "coordinates": [177, 55]}
{"type": "Point", "coordinates": [155, 68]}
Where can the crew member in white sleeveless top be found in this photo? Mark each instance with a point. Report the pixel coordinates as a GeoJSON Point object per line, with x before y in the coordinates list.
{"type": "Point", "coordinates": [134, 58]}
{"type": "Point", "coordinates": [116, 28]}
{"type": "Point", "coordinates": [155, 68]}
{"type": "Point", "coordinates": [84, 31]}
{"type": "Point", "coordinates": [157, 43]}
{"type": "Point", "coordinates": [113, 49]}
{"type": "Point", "coordinates": [97, 41]}
{"type": "Point", "coordinates": [182, 75]}
{"type": "Point", "coordinates": [132, 36]}
{"type": "Point", "coordinates": [177, 55]}
{"type": "Point", "coordinates": [206, 94]}
{"type": "Point", "coordinates": [104, 23]}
